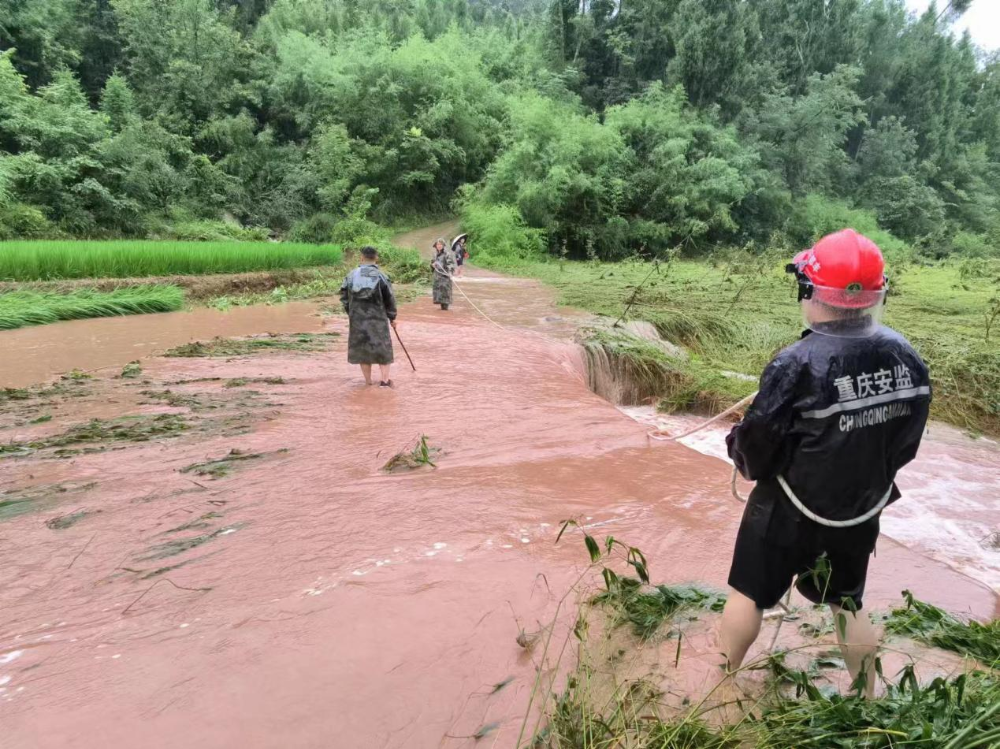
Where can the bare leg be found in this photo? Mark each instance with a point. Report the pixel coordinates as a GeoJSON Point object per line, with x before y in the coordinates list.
{"type": "Point", "coordinates": [741, 621]}
{"type": "Point", "coordinates": [384, 369]}
{"type": "Point", "coordinates": [366, 370]}
{"type": "Point", "coordinates": [859, 644]}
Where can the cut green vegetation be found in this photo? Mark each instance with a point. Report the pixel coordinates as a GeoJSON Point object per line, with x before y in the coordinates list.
{"type": "Point", "coordinates": [53, 261]}
{"type": "Point", "coordinates": [217, 469]}
{"type": "Point", "coordinates": [239, 382]}
{"type": "Point", "coordinates": [63, 522]}
{"type": "Point", "coordinates": [131, 371]}
{"type": "Point", "coordinates": [14, 504]}
{"type": "Point", "coordinates": [232, 347]}
{"type": "Point", "coordinates": [419, 456]}
{"type": "Point", "coordinates": [937, 627]}
{"type": "Point", "coordinates": [179, 546]}
{"type": "Point", "coordinates": [616, 697]}
{"type": "Point", "coordinates": [22, 308]}
{"type": "Point", "coordinates": [99, 431]}
{"type": "Point", "coordinates": [733, 311]}
{"type": "Point", "coordinates": [646, 609]}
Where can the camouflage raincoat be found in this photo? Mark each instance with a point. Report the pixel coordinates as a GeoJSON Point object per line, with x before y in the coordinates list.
{"type": "Point", "coordinates": [367, 297]}
{"type": "Point", "coordinates": [444, 268]}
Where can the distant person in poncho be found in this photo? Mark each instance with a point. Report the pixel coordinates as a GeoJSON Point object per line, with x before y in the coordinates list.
{"type": "Point", "coordinates": [444, 268]}
{"type": "Point", "coordinates": [367, 297]}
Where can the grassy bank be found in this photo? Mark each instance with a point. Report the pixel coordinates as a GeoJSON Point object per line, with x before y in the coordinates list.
{"type": "Point", "coordinates": [50, 261]}
{"type": "Point", "coordinates": [733, 311]}
{"type": "Point", "coordinates": [22, 308]}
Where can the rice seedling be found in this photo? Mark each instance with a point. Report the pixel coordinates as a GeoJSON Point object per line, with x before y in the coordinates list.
{"type": "Point", "coordinates": [63, 522]}
{"type": "Point", "coordinates": [179, 546]}
{"type": "Point", "coordinates": [14, 504]}
{"type": "Point", "coordinates": [217, 469]}
{"type": "Point", "coordinates": [929, 624]}
{"type": "Point", "coordinates": [131, 371]}
{"type": "Point", "coordinates": [22, 308]}
{"type": "Point", "coordinates": [198, 524]}
{"type": "Point", "coordinates": [418, 456]}
{"type": "Point", "coordinates": [232, 347]}
{"type": "Point", "coordinates": [52, 261]}
{"type": "Point", "coordinates": [239, 382]}
{"type": "Point", "coordinates": [99, 431]}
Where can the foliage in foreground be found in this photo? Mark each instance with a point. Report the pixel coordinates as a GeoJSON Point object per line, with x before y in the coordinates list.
{"type": "Point", "coordinates": [50, 261]}
{"type": "Point", "coordinates": [22, 308]}
{"type": "Point", "coordinates": [927, 623]}
{"type": "Point", "coordinates": [600, 707]}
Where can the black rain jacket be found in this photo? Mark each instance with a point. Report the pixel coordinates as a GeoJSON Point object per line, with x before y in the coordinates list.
{"type": "Point", "coordinates": [837, 417]}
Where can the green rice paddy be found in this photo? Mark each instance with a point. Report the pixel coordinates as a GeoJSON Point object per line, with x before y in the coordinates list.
{"type": "Point", "coordinates": [54, 261]}
{"type": "Point", "coordinates": [22, 308]}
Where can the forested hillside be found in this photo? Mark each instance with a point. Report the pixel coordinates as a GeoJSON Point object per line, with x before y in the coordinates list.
{"type": "Point", "coordinates": [584, 128]}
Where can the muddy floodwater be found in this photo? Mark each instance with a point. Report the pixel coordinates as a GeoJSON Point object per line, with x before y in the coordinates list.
{"type": "Point", "coordinates": [35, 354]}
{"type": "Point", "coordinates": [171, 592]}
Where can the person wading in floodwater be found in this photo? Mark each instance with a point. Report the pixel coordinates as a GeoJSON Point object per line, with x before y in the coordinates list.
{"type": "Point", "coordinates": [458, 247]}
{"type": "Point", "coordinates": [367, 297]}
{"type": "Point", "coordinates": [444, 268]}
{"type": "Point", "coordinates": [838, 414]}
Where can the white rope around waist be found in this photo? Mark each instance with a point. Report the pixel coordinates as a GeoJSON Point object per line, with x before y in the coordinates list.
{"type": "Point", "coordinates": [833, 523]}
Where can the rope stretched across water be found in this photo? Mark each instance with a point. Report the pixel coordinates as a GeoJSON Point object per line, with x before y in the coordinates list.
{"type": "Point", "coordinates": [462, 292]}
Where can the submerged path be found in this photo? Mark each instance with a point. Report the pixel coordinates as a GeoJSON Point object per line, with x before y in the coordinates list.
{"type": "Point", "coordinates": [299, 597]}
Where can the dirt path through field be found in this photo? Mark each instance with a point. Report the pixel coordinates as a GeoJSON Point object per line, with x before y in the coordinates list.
{"type": "Point", "coordinates": [247, 576]}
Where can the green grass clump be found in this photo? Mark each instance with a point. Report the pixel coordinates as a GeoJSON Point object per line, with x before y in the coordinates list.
{"type": "Point", "coordinates": [248, 346]}
{"type": "Point", "coordinates": [420, 455]}
{"type": "Point", "coordinates": [937, 627]}
{"type": "Point", "coordinates": [217, 469]}
{"type": "Point", "coordinates": [21, 308]}
{"type": "Point", "coordinates": [630, 370]}
{"type": "Point", "coordinates": [647, 609]}
{"type": "Point", "coordinates": [98, 431]}
{"type": "Point", "coordinates": [53, 261]}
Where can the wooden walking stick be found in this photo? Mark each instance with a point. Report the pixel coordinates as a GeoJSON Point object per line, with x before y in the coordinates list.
{"type": "Point", "coordinates": [404, 348]}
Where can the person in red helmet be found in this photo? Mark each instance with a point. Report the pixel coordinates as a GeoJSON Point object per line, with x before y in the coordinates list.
{"type": "Point", "coordinates": [839, 412]}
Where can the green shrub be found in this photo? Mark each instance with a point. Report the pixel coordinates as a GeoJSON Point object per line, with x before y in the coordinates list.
{"type": "Point", "coordinates": [500, 232]}
{"type": "Point", "coordinates": [817, 215]}
{"type": "Point", "coordinates": [968, 245]}
{"type": "Point", "coordinates": [19, 221]}
{"type": "Point", "coordinates": [404, 265]}
{"type": "Point", "coordinates": [317, 229]}
{"type": "Point", "coordinates": [215, 231]}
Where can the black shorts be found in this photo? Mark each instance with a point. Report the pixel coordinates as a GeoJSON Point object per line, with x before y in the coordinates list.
{"type": "Point", "coordinates": [776, 543]}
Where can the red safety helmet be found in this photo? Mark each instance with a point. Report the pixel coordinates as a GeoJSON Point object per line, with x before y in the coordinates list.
{"type": "Point", "coordinates": [844, 269]}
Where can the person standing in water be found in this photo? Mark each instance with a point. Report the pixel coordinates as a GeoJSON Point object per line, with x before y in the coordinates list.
{"type": "Point", "coordinates": [838, 414]}
{"type": "Point", "coordinates": [367, 298]}
{"type": "Point", "coordinates": [444, 268]}
{"type": "Point", "coordinates": [458, 247]}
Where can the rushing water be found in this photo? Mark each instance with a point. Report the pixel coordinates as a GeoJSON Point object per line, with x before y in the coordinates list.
{"type": "Point", "coordinates": [949, 506]}
{"type": "Point", "coordinates": [332, 604]}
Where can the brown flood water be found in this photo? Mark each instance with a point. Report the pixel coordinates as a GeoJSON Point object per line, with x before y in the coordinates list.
{"type": "Point", "coordinates": [322, 603]}
{"type": "Point", "coordinates": [37, 353]}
